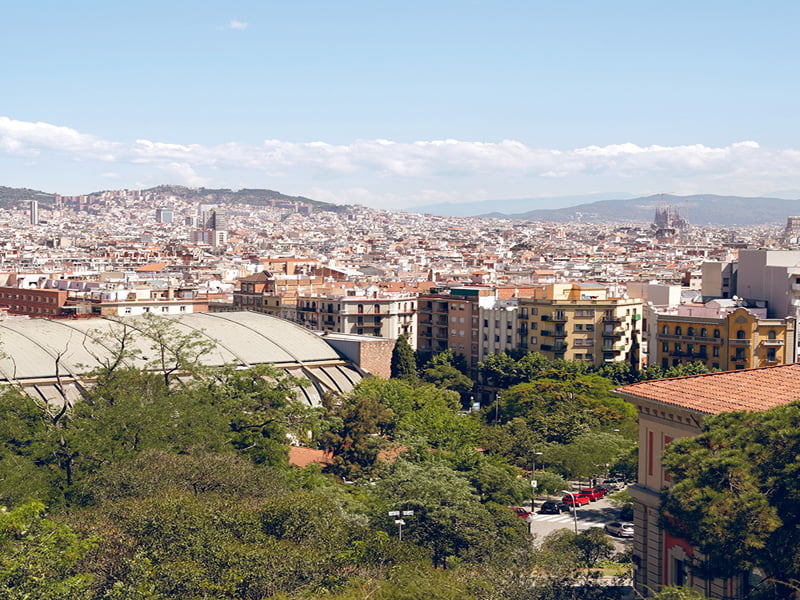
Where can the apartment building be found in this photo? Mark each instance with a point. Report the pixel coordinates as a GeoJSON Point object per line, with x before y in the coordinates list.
{"type": "Point", "coordinates": [450, 320]}
{"type": "Point", "coordinates": [722, 336]}
{"type": "Point", "coordinates": [370, 313]}
{"type": "Point", "coordinates": [499, 327]}
{"type": "Point", "coordinates": [580, 321]}
{"type": "Point", "coordinates": [34, 302]}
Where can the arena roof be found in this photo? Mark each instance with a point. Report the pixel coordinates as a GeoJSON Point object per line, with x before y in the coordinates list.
{"type": "Point", "coordinates": [40, 351]}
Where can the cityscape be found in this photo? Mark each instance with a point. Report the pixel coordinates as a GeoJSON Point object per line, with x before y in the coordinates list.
{"type": "Point", "coordinates": [420, 301]}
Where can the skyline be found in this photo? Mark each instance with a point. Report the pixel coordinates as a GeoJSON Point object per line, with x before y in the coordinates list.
{"type": "Point", "coordinates": [403, 106]}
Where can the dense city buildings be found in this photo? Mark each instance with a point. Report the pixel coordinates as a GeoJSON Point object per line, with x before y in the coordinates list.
{"type": "Point", "coordinates": [589, 292]}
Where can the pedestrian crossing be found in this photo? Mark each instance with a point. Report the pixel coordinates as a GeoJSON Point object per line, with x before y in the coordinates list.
{"type": "Point", "coordinates": [567, 518]}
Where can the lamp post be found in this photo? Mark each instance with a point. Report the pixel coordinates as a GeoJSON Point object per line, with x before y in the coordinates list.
{"type": "Point", "coordinates": [534, 484]}
{"type": "Point", "coordinates": [574, 509]}
{"type": "Point", "coordinates": [398, 514]}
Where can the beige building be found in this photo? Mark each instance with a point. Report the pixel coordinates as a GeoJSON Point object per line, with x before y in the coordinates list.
{"type": "Point", "coordinates": [675, 408]}
{"type": "Point", "coordinates": [580, 321]}
{"type": "Point", "coordinates": [373, 313]}
{"type": "Point", "coordinates": [723, 338]}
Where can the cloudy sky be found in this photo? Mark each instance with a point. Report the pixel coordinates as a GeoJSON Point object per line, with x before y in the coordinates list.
{"type": "Point", "coordinates": [403, 104]}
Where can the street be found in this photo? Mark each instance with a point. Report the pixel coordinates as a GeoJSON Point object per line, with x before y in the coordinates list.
{"type": "Point", "coordinates": [595, 514]}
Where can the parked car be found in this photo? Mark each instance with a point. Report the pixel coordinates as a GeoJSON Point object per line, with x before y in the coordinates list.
{"type": "Point", "coordinates": [553, 507]}
{"type": "Point", "coordinates": [613, 485]}
{"type": "Point", "coordinates": [521, 512]}
{"type": "Point", "coordinates": [578, 499]}
{"type": "Point", "coordinates": [594, 493]}
{"type": "Point", "coordinates": [619, 529]}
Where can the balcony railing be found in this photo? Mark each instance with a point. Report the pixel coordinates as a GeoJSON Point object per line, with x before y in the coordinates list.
{"type": "Point", "coordinates": [773, 342]}
{"type": "Point", "coordinates": [739, 342]}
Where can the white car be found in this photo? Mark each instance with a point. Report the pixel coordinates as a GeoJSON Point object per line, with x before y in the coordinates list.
{"type": "Point", "coordinates": [619, 529]}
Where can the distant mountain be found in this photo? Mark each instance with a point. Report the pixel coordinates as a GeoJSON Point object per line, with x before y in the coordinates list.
{"type": "Point", "coordinates": [255, 197]}
{"type": "Point", "coordinates": [702, 209]}
{"type": "Point", "coordinates": [509, 206]}
{"type": "Point", "coordinates": [11, 197]}
{"type": "Point", "coordinates": [16, 197]}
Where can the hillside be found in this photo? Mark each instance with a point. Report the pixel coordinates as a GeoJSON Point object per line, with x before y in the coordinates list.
{"type": "Point", "coordinates": [16, 197]}
{"type": "Point", "coordinates": [704, 209]}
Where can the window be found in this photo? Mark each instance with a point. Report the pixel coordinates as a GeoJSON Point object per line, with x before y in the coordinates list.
{"type": "Point", "coordinates": [715, 352]}
{"type": "Point", "coordinates": [678, 330]}
{"type": "Point", "coordinates": [716, 333]}
{"type": "Point", "coordinates": [665, 330]}
{"type": "Point", "coordinates": [590, 327]}
{"type": "Point", "coordinates": [578, 326]}
{"type": "Point", "coordinates": [740, 334]}
{"type": "Point", "coordinates": [771, 355]}
{"type": "Point", "coordinates": [772, 335]}
{"type": "Point", "coordinates": [508, 341]}
{"type": "Point", "coordinates": [677, 347]}
{"type": "Point", "coordinates": [182, 309]}
{"type": "Point", "coordinates": [703, 332]}
{"type": "Point", "coordinates": [690, 331]}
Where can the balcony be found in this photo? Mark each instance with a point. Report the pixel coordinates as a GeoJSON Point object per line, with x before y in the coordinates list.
{"type": "Point", "coordinates": [546, 333]}
{"type": "Point", "coordinates": [559, 333]}
{"type": "Point", "coordinates": [739, 359]}
{"type": "Point", "coordinates": [560, 347]}
{"type": "Point", "coordinates": [738, 342]}
{"type": "Point", "coordinates": [772, 342]}
{"type": "Point", "coordinates": [612, 319]}
{"type": "Point", "coordinates": [556, 318]}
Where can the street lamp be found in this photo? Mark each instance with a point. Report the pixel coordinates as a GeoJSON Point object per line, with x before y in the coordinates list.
{"type": "Point", "coordinates": [534, 484]}
{"type": "Point", "coordinates": [397, 514]}
{"type": "Point", "coordinates": [574, 509]}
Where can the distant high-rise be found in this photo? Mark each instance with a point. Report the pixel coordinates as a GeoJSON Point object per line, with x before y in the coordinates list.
{"type": "Point", "coordinates": [34, 212]}
{"type": "Point", "coordinates": [164, 215]}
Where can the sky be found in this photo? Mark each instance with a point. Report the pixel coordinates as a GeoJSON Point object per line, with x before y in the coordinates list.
{"type": "Point", "coordinates": [403, 104]}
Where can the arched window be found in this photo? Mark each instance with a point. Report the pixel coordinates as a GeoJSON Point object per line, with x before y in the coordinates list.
{"type": "Point", "coordinates": [665, 330]}
{"type": "Point", "coordinates": [377, 309]}
{"type": "Point", "coordinates": [772, 335]}
{"type": "Point", "coordinates": [690, 331]}
{"type": "Point", "coordinates": [360, 308]}
{"type": "Point", "coordinates": [740, 334]}
{"type": "Point", "coordinates": [716, 333]}
{"type": "Point", "coordinates": [678, 330]}
{"type": "Point", "coordinates": [703, 332]}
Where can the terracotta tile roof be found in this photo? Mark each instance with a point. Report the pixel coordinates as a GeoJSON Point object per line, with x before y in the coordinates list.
{"type": "Point", "coordinates": [152, 267]}
{"type": "Point", "coordinates": [302, 457]}
{"type": "Point", "coordinates": [712, 393]}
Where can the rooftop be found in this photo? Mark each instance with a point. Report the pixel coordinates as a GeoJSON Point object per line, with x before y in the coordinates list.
{"type": "Point", "coordinates": [713, 393]}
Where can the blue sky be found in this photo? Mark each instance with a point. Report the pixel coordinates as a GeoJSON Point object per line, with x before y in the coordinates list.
{"type": "Point", "coordinates": [400, 104]}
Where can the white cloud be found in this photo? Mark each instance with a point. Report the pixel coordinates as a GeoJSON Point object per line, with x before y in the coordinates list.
{"type": "Point", "coordinates": [236, 24]}
{"type": "Point", "coordinates": [395, 174]}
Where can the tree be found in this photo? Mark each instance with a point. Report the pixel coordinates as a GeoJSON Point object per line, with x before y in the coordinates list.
{"type": "Point", "coordinates": [449, 519]}
{"type": "Point", "coordinates": [356, 435]}
{"type": "Point", "coordinates": [40, 558]}
{"type": "Point", "coordinates": [735, 494]}
{"type": "Point", "coordinates": [404, 364]}
{"type": "Point", "coordinates": [174, 349]}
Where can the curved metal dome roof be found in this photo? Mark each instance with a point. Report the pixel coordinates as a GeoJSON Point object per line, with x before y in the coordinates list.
{"type": "Point", "coordinates": [38, 351]}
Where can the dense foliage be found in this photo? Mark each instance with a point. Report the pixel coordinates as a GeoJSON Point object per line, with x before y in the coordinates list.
{"type": "Point", "coordinates": [174, 482]}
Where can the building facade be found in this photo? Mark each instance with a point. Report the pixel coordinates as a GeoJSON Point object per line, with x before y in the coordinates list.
{"type": "Point", "coordinates": [670, 409]}
{"type": "Point", "coordinates": [581, 322]}
{"type": "Point", "coordinates": [735, 339]}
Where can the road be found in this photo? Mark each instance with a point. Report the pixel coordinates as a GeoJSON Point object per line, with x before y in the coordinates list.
{"type": "Point", "coordinates": [594, 514]}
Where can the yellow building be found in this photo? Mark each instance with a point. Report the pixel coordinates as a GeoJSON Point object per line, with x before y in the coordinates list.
{"type": "Point", "coordinates": [738, 340]}
{"type": "Point", "coordinates": [580, 321]}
